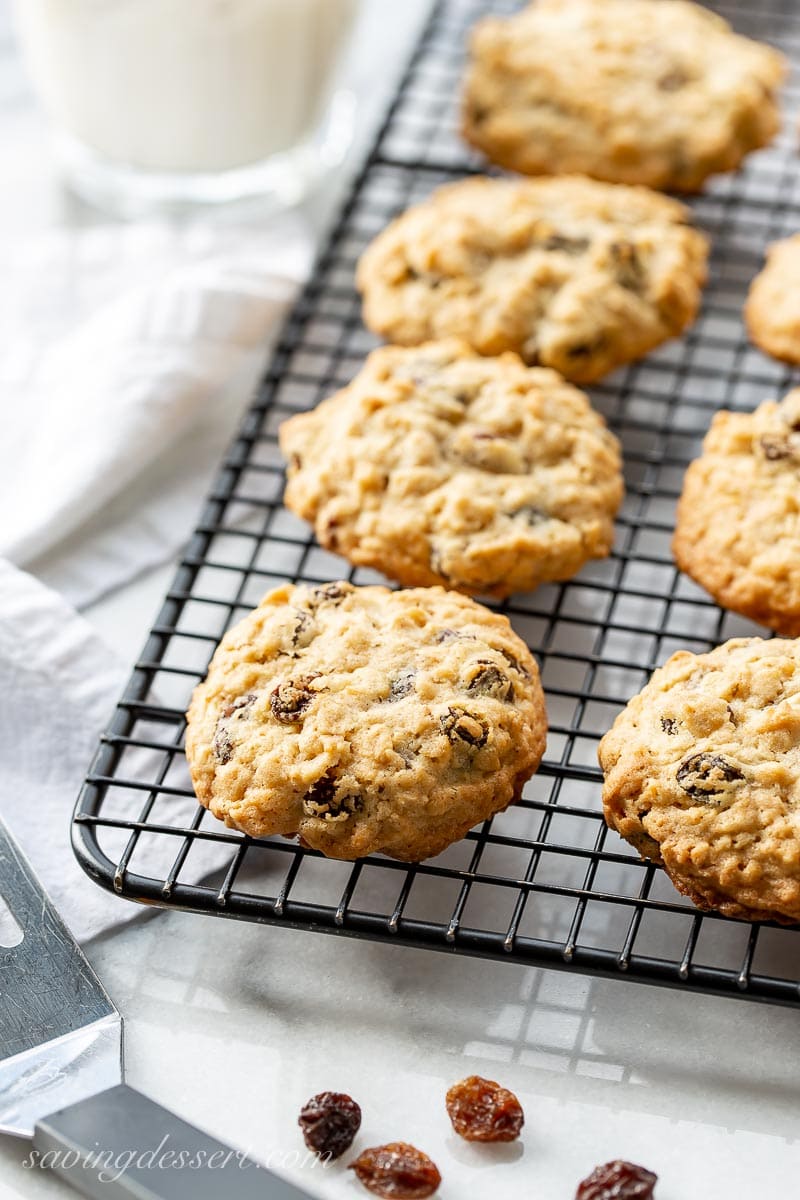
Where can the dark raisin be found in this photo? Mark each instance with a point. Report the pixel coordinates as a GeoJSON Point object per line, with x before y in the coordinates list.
{"type": "Point", "coordinates": [485, 679]}
{"type": "Point", "coordinates": [437, 566]}
{"type": "Point", "coordinates": [295, 462]}
{"type": "Point", "coordinates": [461, 726]}
{"type": "Point", "coordinates": [303, 631]}
{"type": "Point", "coordinates": [290, 700]}
{"type": "Point", "coordinates": [585, 349]}
{"type": "Point", "coordinates": [223, 743]}
{"type": "Point", "coordinates": [397, 1171]}
{"type": "Point", "coordinates": [240, 705]}
{"type": "Point", "coordinates": [777, 449]}
{"type": "Point", "coordinates": [402, 684]}
{"type": "Point", "coordinates": [705, 775]}
{"type": "Point", "coordinates": [515, 664]}
{"type": "Point", "coordinates": [530, 514]}
{"type": "Point", "coordinates": [478, 114]}
{"type": "Point", "coordinates": [670, 726]}
{"type": "Point", "coordinates": [483, 1111]}
{"type": "Point", "coordinates": [567, 245]}
{"type": "Point", "coordinates": [673, 80]}
{"type": "Point", "coordinates": [329, 1122]}
{"type": "Point", "coordinates": [223, 746]}
{"type": "Point", "coordinates": [629, 270]}
{"type": "Point", "coordinates": [453, 635]}
{"type": "Point", "coordinates": [321, 801]}
{"type": "Point", "coordinates": [330, 593]}
{"type": "Point", "coordinates": [617, 1180]}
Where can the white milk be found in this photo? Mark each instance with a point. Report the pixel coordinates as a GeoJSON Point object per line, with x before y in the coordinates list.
{"type": "Point", "coordinates": [185, 85]}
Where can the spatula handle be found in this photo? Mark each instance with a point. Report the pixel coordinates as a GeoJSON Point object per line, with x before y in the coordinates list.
{"type": "Point", "coordinates": [120, 1144]}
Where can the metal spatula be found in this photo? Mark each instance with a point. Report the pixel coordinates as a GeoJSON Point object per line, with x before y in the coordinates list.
{"type": "Point", "coordinates": [61, 1073]}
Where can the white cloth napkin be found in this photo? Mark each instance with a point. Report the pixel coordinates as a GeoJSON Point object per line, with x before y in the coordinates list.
{"type": "Point", "coordinates": [123, 406]}
{"type": "Point", "coordinates": [127, 355]}
{"type": "Point", "coordinates": [58, 686]}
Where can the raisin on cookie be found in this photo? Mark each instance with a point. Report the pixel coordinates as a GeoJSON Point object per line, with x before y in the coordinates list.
{"type": "Point", "coordinates": [568, 273]}
{"type": "Point", "coordinates": [772, 311]}
{"type": "Point", "coordinates": [629, 91]}
{"type": "Point", "coordinates": [436, 465]}
{"type": "Point", "coordinates": [366, 720]}
{"type": "Point", "coordinates": [702, 774]}
{"type": "Point", "coordinates": [738, 523]}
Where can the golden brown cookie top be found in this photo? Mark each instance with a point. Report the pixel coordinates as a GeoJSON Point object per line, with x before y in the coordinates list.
{"type": "Point", "coordinates": [366, 720]}
{"type": "Point", "coordinates": [437, 465]}
{"type": "Point", "coordinates": [702, 772]}
{"type": "Point", "coordinates": [629, 91]}
{"type": "Point", "coordinates": [772, 311]}
{"type": "Point", "coordinates": [738, 523]}
{"type": "Point", "coordinates": [568, 273]}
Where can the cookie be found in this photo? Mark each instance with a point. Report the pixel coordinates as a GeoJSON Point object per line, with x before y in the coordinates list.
{"type": "Point", "coordinates": [772, 312]}
{"type": "Point", "coordinates": [438, 466]}
{"type": "Point", "coordinates": [366, 720]}
{"type": "Point", "coordinates": [629, 91]}
{"type": "Point", "coordinates": [702, 774]}
{"type": "Point", "coordinates": [738, 523]}
{"type": "Point", "coordinates": [568, 273]}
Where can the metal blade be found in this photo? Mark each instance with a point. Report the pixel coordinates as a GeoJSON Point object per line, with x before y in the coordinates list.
{"type": "Point", "coordinates": [60, 1034]}
{"type": "Point", "coordinates": [56, 1074]}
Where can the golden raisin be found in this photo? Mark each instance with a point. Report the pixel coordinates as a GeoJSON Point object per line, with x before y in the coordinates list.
{"type": "Point", "coordinates": [397, 1171]}
{"type": "Point", "coordinates": [483, 1111]}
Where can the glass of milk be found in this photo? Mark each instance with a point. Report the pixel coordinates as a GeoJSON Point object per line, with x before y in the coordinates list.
{"type": "Point", "coordinates": [164, 103]}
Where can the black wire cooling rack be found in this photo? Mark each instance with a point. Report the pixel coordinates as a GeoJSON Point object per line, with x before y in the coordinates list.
{"type": "Point", "coordinates": [543, 883]}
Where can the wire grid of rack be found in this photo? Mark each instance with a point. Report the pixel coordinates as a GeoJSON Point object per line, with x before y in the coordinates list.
{"type": "Point", "coordinates": [543, 883]}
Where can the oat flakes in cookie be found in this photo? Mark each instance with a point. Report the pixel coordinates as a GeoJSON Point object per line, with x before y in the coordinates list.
{"type": "Point", "coordinates": [702, 774]}
{"type": "Point", "coordinates": [772, 312]}
{"type": "Point", "coordinates": [738, 523]}
{"type": "Point", "coordinates": [629, 91]}
{"type": "Point", "coordinates": [436, 465]}
{"type": "Point", "coordinates": [568, 273]}
{"type": "Point", "coordinates": [366, 720]}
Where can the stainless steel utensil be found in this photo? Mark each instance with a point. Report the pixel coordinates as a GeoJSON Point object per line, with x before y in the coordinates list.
{"type": "Point", "coordinates": [61, 1073]}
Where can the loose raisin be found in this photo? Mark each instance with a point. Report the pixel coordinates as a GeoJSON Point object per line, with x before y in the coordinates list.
{"type": "Point", "coordinates": [617, 1180]}
{"type": "Point", "coordinates": [397, 1171]}
{"type": "Point", "coordinates": [322, 801]}
{"type": "Point", "coordinates": [461, 726]}
{"type": "Point", "coordinates": [290, 699]}
{"type": "Point", "coordinates": [703, 775]}
{"type": "Point", "coordinates": [483, 1111]}
{"type": "Point", "coordinates": [483, 678]}
{"type": "Point", "coordinates": [330, 1121]}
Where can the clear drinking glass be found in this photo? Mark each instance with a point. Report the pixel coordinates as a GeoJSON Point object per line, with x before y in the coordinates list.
{"type": "Point", "coordinates": [164, 103]}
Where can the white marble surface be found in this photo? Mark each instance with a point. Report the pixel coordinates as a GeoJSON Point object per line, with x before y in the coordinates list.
{"type": "Point", "coordinates": [234, 1025]}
